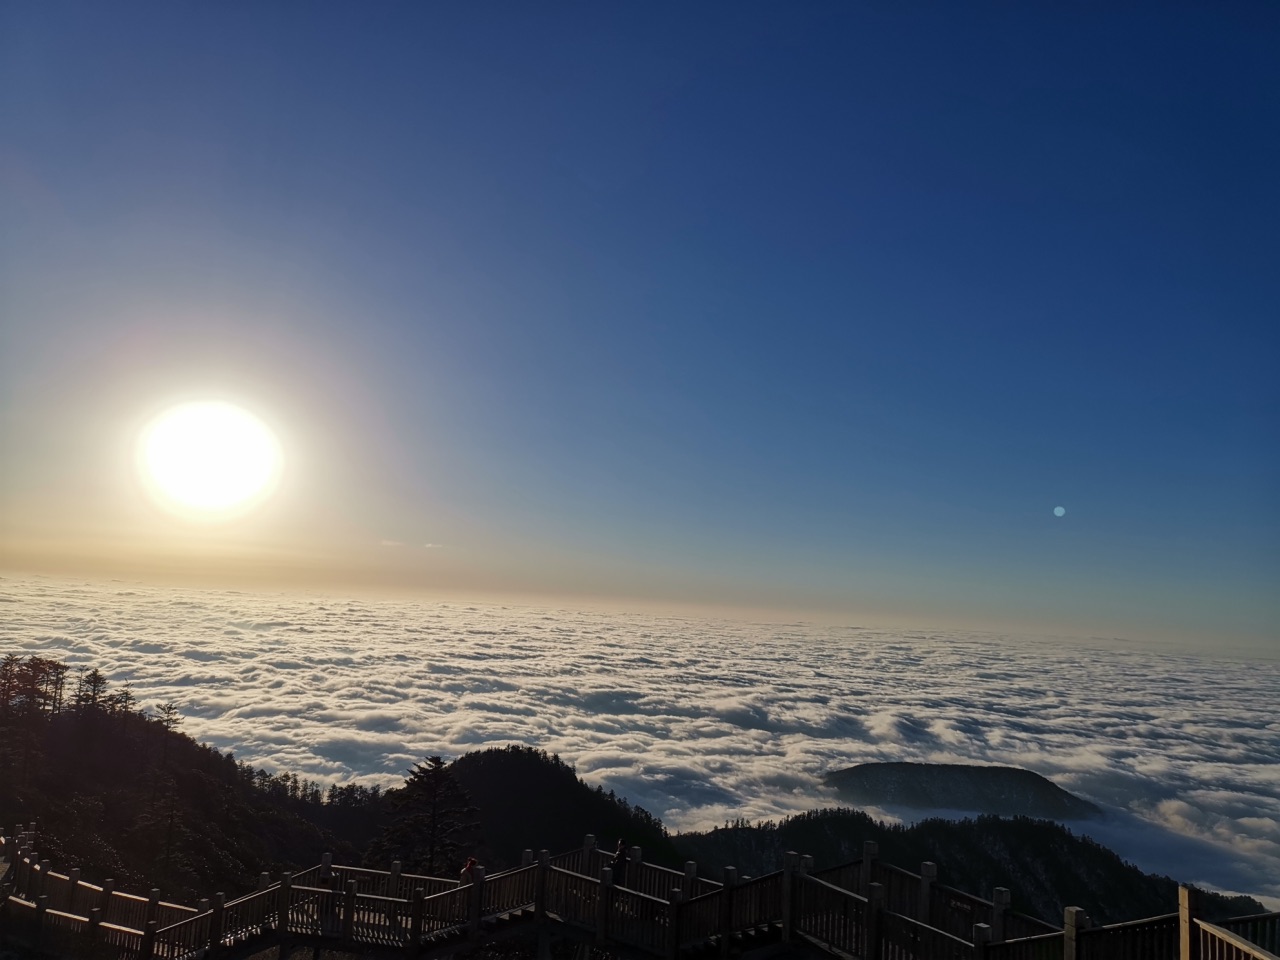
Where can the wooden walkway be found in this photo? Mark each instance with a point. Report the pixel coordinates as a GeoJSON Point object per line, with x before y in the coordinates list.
{"type": "Point", "coordinates": [863, 910]}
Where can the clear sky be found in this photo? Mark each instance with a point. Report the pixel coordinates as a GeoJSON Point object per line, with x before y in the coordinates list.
{"type": "Point", "coordinates": [820, 308]}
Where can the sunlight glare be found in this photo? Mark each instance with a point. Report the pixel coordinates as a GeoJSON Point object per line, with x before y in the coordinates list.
{"type": "Point", "coordinates": [209, 460]}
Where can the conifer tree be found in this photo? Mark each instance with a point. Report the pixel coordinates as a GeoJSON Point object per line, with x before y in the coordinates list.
{"type": "Point", "coordinates": [432, 823]}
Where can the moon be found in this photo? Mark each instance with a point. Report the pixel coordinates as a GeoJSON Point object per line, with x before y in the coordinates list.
{"type": "Point", "coordinates": [1059, 511]}
{"type": "Point", "coordinates": [209, 460]}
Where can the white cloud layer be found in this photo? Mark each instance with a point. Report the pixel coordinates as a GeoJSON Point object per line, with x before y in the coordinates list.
{"type": "Point", "coordinates": [697, 720]}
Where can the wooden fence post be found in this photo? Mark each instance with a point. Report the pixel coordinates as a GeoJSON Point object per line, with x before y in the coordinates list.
{"type": "Point", "coordinates": [540, 890]}
{"type": "Point", "coordinates": [45, 867]}
{"type": "Point", "coordinates": [928, 877]}
{"type": "Point", "coordinates": [393, 880]}
{"type": "Point", "coordinates": [526, 857]}
{"type": "Point", "coordinates": [870, 853]}
{"type": "Point", "coordinates": [42, 907]}
{"type": "Point", "coordinates": [148, 949]}
{"type": "Point", "coordinates": [416, 915]}
{"type": "Point", "coordinates": [153, 904]}
{"type": "Point", "coordinates": [104, 901]}
{"type": "Point", "coordinates": [1000, 900]}
{"type": "Point", "coordinates": [604, 900]}
{"type": "Point", "coordinates": [216, 919]}
{"type": "Point", "coordinates": [477, 899]}
{"type": "Point", "coordinates": [790, 862]}
{"type": "Point", "coordinates": [726, 909]}
{"type": "Point", "coordinates": [264, 880]}
{"type": "Point", "coordinates": [588, 848]}
{"type": "Point", "coordinates": [1074, 920]}
{"type": "Point", "coordinates": [674, 899]}
{"type": "Point", "coordinates": [349, 913]}
{"type": "Point", "coordinates": [875, 919]}
{"type": "Point", "coordinates": [326, 868]}
{"type": "Point", "coordinates": [95, 918]}
{"type": "Point", "coordinates": [690, 883]}
{"type": "Point", "coordinates": [981, 937]}
{"type": "Point", "coordinates": [1188, 933]}
{"type": "Point", "coordinates": [282, 906]}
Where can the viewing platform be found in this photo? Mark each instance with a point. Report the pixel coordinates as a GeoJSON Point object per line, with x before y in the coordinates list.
{"type": "Point", "coordinates": [862, 910]}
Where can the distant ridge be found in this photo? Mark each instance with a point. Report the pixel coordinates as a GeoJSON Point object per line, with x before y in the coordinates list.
{"type": "Point", "coordinates": [1004, 791]}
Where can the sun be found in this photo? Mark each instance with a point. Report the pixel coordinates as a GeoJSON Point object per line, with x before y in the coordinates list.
{"type": "Point", "coordinates": [209, 460]}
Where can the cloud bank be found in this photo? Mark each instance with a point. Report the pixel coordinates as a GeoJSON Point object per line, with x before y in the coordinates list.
{"type": "Point", "coordinates": [697, 720]}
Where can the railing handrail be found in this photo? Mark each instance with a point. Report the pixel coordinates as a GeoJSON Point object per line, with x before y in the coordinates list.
{"type": "Point", "coordinates": [573, 873]}
{"type": "Point", "coordinates": [642, 897]}
{"type": "Point", "coordinates": [1027, 918]}
{"type": "Point", "coordinates": [1237, 941]}
{"type": "Point", "coordinates": [1051, 935]}
{"type": "Point", "coordinates": [756, 881]}
{"type": "Point", "coordinates": [932, 929]}
{"type": "Point", "coordinates": [1128, 924]}
{"type": "Point", "coordinates": [894, 868]}
{"type": "Point", "coordinates": [832, 887]}
{"type": "Point", "coordinates": [1252, 918]}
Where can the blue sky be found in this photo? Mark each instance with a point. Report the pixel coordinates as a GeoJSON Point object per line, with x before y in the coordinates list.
{"type": "Point", "coordinates": [821, 309]}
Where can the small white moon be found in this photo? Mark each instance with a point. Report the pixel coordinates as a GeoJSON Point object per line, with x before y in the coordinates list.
{"type": "Point", "coordinates": [209, 460]}
{"type": "Point", "coordinates": [1059, 511]}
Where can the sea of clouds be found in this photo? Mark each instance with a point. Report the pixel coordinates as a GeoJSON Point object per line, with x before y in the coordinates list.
{"type": "Point", "coordinates": [697, 720]}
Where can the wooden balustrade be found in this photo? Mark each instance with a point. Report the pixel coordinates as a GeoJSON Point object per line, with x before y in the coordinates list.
{"type": "Point", "coordinates": [1155, 937]}
{"type": "Point", "coordinates": [755, 902]}
{"type": "Point", "coordinates": [956, 912]}
{"type": "Point", "coordinates": [902, 938]}
{"type": "Point", "coordinates": [830, 915]}
{"type": "Point", "coordinates": [1261, 929]}
{"type": "Point", "coordinates": [901, 888]}
{"type": "Point", "coordinates": [248, 915]}
{"type": "Point", "coordinates": [445, 910]}
{"type": "Point", "coordinates": [1217, 943]}
{"type": "Point", "coordinates": [844, 876]}
{"type": "Point", "coordinates": [1019, 926]}
{"type": "Point", "coordinates": [572, 897]}
{"type": "Point", "coordinates": [1044, 946]}
{"type": "Point", "coordinates": [181, 939]}
{"type": "Point", "coordinates": [638, 920]}
{"type": "Point", "coordinates": [389, 909]}
{"type": "Point", "coordinates": [510, 890]}
{"type": "Point", "coordinates": [700, 918]}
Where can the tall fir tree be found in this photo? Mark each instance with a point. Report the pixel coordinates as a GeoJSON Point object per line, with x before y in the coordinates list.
{"type": "Point", "coordinates": [432, 823]}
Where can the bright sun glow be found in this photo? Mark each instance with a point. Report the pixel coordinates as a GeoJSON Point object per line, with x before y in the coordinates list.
{"type": "Point", "coordinates": [210, 460]}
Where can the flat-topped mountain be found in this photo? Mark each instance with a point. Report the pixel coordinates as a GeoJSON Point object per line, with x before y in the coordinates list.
{"type": "Point", "coordinates": [1004, 791]}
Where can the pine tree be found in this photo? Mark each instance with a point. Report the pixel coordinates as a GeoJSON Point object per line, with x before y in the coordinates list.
{"type": "Point", "coordinates": [432, 823]}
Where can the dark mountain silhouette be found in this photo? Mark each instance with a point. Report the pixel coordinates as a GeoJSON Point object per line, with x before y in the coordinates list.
{"type": "Point", "coordinates": [529, 800]}
{"type": "Point", "coordinates": [1006, 791]}
{"type": "Point", "coordinates": [1045, 866]}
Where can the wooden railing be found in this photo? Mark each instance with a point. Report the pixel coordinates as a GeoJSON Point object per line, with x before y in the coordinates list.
{"type": "Point", "coordinates": [640, 921]}
{"type": "Point", "coordinates": [903, 937]}
{"type": "Point", "coordinates": [1218, 943]}
{"type": "Point", "coordinates": [860, 909]}
{"type": "Point", "coordinates": [1046, 946]}
{"type": "Point", "coordinates": [755, 902]}
{"type": "Point", "coordinates": [1155, 937]}
{"type": "Point", "coordinates": [1261, 929]}
{"type": "Point", "coordinates": [830, 916]}
{"type": "Point", "coordinates": [700, 919]}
